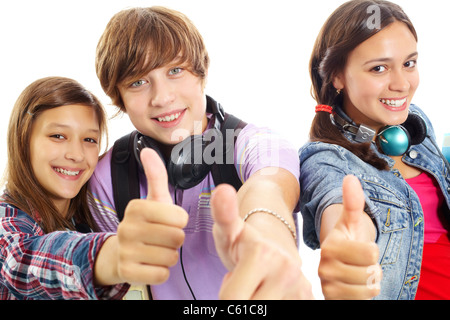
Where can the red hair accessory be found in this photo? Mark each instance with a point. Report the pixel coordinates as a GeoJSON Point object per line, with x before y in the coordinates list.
{"type": "Point", "coordinates": [324, 107]}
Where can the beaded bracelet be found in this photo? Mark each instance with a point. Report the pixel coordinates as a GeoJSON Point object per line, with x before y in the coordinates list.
{"type": "Point", "coordinates": [276, 215]}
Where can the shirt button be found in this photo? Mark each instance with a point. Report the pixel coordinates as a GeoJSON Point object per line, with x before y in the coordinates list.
{"type": "Point", "coordinates": [413, 154]}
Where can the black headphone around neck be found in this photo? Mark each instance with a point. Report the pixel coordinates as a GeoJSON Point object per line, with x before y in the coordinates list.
{"type": "Point", "coordinates": [392, 140]}
{"type": "Point", "coordinates": [192, 158]}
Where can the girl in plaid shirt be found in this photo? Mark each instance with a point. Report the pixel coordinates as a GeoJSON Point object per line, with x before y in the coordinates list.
{"type": "Point", "coordinates": [47, 249]}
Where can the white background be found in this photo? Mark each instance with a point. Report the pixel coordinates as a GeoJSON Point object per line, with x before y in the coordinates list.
{"type": "Point", "coordinates": [259, 54]}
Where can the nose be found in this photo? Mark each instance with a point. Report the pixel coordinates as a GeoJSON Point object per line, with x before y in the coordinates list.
{"type": "Point", "coordinates": [162, 93]}
{"type": "Point", "coordinates": [400, 81]}
{"type": "Point", "coordinates": [75, 152]}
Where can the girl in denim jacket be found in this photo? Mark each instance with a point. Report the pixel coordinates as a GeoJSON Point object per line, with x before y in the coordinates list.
{"type": "Point", "coordinates": [383, 234]}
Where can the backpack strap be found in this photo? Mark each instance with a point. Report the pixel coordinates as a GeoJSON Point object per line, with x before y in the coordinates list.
{"type": "Point", "coordinates": [124, 173]}
{"type": "Point", "coordinates": [125, 181]}
{"type": "Point", "coordinates": [226, 173]}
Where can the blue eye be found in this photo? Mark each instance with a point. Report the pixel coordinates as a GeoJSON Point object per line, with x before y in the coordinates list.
{"type": "Point", "coordinates": [175, 71]}
{"type": "Point", "coordinates": [138, 83]}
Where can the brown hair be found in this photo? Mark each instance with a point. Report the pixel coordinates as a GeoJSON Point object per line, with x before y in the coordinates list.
{"type": "Point", "coordinates": [139, 40]}
{"type": "Point", "coordinates": [22, 187]}
{"type": "Point", "coordinates": [345, 29]}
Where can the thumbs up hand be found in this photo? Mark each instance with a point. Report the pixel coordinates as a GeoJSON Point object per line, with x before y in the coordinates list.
{"type": "Point", "coordinates": [258, 267]}
{"type": "Point", "coordinates": [152, 229]}
{"type": "Point", "coordinates": [348, 267]}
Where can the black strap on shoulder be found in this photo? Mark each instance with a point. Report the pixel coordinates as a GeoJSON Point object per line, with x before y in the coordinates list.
{"type": "Point", "coordinates": [124, 173]}
{"type": "Point", "coordinates": [125, 177]}
{"type": "Point", "coordinates": [226, 173]}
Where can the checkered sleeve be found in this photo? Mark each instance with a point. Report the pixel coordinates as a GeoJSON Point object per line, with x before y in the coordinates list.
{"type": "Point", "coordinates": [57, 265]}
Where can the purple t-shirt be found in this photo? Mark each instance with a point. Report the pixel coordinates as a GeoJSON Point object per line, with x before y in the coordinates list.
{"type": "Point", "coordinates": [255, 148]}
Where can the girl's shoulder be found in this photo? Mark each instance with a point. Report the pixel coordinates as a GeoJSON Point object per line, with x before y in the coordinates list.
{"type": "Point", "coordinates": [8, 210]}
{"type": "Point", "coordinates": [15, 220]}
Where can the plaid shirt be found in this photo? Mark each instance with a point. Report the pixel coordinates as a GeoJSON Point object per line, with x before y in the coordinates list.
{"type": "Point", "coordinates": [57, 265]}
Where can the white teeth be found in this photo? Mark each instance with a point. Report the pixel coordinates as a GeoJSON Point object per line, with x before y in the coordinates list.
{"type": "Point", "coordinates": [66, 172]}
{"type": "Point", "coordinates": [169, 118]}
{"type": "Point", "coordinates": [393, 103]}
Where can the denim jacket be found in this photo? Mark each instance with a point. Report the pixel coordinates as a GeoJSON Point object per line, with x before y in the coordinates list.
{"type": "Point", "coordinates": [391, 203]}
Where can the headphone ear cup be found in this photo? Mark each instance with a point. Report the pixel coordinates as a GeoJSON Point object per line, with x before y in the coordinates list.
{"type": "Point", "coordinates": [394, 140]}
{"type": "Point", "coordinates": [142, 142]}
{"type": "Point", "coordinates": [416, 127]}
{"type": "Point", "coordinates": [186, 167]}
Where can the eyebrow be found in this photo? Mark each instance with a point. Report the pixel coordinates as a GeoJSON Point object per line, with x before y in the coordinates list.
{"type": "Point", "coordinates": [389, 59]}
{"type": "Point", "coordinates": [54, 125]}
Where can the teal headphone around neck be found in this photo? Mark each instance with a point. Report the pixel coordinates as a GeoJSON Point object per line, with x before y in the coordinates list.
{"type": "Point", "coordinates": [392, 140]}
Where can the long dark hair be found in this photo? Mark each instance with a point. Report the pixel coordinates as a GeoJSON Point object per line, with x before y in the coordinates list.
{"type": "Point", "coordinates": [22, 188]}
{"type": "Point", "coordinates": [349, 25]}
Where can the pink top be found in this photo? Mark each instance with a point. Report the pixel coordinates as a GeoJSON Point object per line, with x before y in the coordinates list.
{"type": "Point", "coordinates": [434, 282]}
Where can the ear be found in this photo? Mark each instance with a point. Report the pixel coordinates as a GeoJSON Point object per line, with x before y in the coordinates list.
{"type": "Point", "coordinates": [204, 81]}
{"type": "Point", "coordinates": [338, 82]}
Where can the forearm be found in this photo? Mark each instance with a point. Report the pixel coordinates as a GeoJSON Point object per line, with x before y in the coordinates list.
{"type": "Point", "coordinates": [278, 193]}
{"type": "Point", "coordinates": [106, 262]}
{"type": "Point", "coordinates": [57, 265]}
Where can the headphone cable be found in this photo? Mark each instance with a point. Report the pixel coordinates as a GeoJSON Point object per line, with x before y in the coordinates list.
{"type": "Point", "coordinates": [181, 254]}
{"type": "Point", "coordinates": [184, 273]}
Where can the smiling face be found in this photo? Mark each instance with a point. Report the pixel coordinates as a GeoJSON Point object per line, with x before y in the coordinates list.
{"type": "Point", "coordinates": [64, 151]}
{"type": "Point", "coordinates": [168, 104]}
{"type": "Point", "coordinates": [381, 77]}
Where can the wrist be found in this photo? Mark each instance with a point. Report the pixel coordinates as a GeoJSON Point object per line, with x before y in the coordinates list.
{"type": "Point", "coordinates": [272, 215]}
{"type": "Point", "coordinates": [106, 263]}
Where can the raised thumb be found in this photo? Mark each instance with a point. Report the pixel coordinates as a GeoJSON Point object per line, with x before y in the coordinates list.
{"type": "Point", "coordinates": [225, 212]}
{"type": "Point", "coordinates": [156, 174]}
{"type": "Point", "coordinates": [353, 201]}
